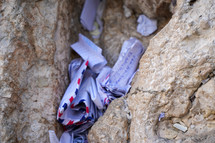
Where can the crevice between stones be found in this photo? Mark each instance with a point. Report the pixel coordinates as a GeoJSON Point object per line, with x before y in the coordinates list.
{"type": "Point", "coordinates": [126, 109]}
{"type": "Point", "coordinates": [191, 2]}
{"type": "Point", "coordinates": [209, 77]}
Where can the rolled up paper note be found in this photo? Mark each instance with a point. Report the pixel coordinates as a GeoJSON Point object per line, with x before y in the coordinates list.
{"type": "Point", "coordinates": [125, 67]}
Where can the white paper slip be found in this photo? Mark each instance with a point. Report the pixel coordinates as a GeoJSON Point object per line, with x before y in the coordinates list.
{"type": "Point", "coordinates": [180, 127]}
{"type": "Point", "coordinates": [89, 51]}
{"type": "Point", "coordinates": [66, 138]}
{"type": "Point", "coordinates": [98, 25]}
{"type": "Point", "coordinates": [73, 67]}
{"type": "Point", "coordinates": [88, 14]}
{"type": "Point", "coordinates": [146, 26]}
{"type": "Point", "coordinates": [52, 137]}
{"type": "Point", "coordinates": [100, 82]}
{"type": "Point", "coordinates": [125, 67]}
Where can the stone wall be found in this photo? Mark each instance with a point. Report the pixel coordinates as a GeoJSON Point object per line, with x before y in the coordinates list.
{"type": "Point", "coordinates": [176, 77]}
{"type": "Point", "coordinates": [176, 73]}
{"type": "Point", "coordinates": [34, 54]}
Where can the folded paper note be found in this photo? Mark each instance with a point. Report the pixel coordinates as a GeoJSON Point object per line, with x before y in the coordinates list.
{"type": "Point", "coordinates": [146, 26]}
{"type": "Point", "coordinates": [123, 71]}
{"type": "Point", "coordinates": [88, 14]}
{"type": "Point", "coordinates": [102, 77]}
{"type": "Point", "coordinates": [71, 93]}
{"type": "Point", "coordinates": [98, 24]}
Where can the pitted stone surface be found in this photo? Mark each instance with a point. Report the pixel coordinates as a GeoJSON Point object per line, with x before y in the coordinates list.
{"type": "Point", "coordinates": [113, 126]}
{"type": "Point", "coordinates": [34, 54]}
{"type": "Point", "coordinates": [176, 77]}
{"type": "Point", "coordinates": [151, 8]}
{"type": "Point", "coordinates": [176, 73]}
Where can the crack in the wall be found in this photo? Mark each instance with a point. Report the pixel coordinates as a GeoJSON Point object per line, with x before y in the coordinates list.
{"type": "Point", "coordinates": [153, 92]}
{"type": "Point", "coordinates": [209, 77]}
{"type": "Point", "coordinates": [191, 2]}
{"type": "Point", "coordinates": [191, 98]}
{"type": "Point", "coordinates": [129, 116]}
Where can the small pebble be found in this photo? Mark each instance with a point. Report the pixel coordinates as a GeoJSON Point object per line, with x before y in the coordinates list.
{"type": "Point", "coordinates": [180, 127]}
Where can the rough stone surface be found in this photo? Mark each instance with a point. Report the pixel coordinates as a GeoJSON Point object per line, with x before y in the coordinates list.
{"type": "Point", "coordinates": [34, 55]}
{"type": "Point", "coordinates": [176, 73]}
{"type": "Point", "coordinates": [151, 8]}
{"type": "Point", "coordinates": [113, 124]}
{"type": "Point", "coordinates": [200, 118]}
{"type": "Point", "coordinates": [178, 59]}
{"type": "Point", "coordinates": [176, 77]}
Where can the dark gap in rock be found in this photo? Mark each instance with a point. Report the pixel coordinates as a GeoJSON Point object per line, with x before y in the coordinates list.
{"type": "Point", "coordinates": [174, 2]}
{"type": "Point", "coordinates": [164, 10]}
{"type": "Point", "coordinates": [192, 2]}
{"type": "Point", "coordinates": [209, 77]}
{"type": "Point", "coordinates": [192, 98]}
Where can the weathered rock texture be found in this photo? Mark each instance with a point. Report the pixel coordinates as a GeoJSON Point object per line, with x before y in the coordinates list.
{"type": "Point", "coordinates": [34, 55]}
{"type": "Point", "coordinates": [114, 124]}
{"type": "Point", "coordinates": [176, 73]}
{"type": "Point", "coordinates": [176, 77]}
{"type": "Point", "coordinates": [151, 8]}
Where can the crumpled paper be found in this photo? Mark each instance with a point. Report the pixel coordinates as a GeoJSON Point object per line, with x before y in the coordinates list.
{"type": "Point", "coordinates": [146, 26]}
{"type": "Point", "coordinates": [94, 85]}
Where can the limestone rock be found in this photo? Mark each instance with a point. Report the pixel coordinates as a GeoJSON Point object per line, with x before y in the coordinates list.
{"type": "Point", "coordinates": [34, 54]}
{"type": "Point", "coordinates": [176, 73]}
{"type": "Point", "coordinates": [201, 115]}
{"type": "Point", "coordinates": [113, 126]}
{"type": "Point", "coordinates": [151, 8]}
{"type": "Point", "coordinates": [166, 130]}
{"type": "Point", "coordinates": [178, 60]}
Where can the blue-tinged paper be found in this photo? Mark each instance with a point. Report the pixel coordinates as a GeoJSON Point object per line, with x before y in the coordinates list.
{"type": "Point", "coordinates": [88, 14]}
